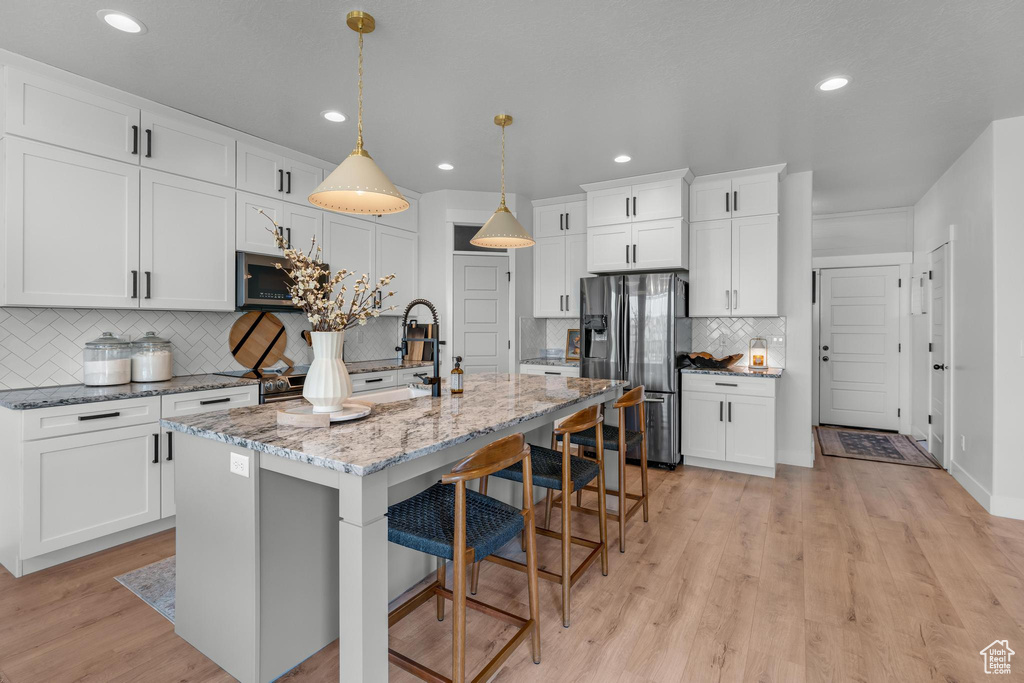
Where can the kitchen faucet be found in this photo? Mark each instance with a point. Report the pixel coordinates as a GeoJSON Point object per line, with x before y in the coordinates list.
{"type": "Point", "coordinates": [434, 382]}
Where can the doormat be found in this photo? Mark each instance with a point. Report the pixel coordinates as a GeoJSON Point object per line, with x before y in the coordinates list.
{"type": "Point", "coordinates": [154, 583]}
{"type": "Point", "coordinates": [863, 444]}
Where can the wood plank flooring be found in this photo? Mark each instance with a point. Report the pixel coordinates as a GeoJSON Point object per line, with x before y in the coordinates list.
{"type": "Point", "coordinates": [851, 571]}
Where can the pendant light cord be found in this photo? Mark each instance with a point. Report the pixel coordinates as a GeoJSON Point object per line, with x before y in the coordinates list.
{"type": "Point", "coordinates": [503, 166]}
{"type": "Point", "coordinates": [359, 139]}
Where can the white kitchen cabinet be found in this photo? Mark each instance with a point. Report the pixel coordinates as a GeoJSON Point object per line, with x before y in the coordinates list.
{"type": "Point", "coordinates": [301, 224]}
{"type": "Point", "coordinates": [576, 269]}
{"type": "Point", "coordinates": [264, 172]}
{"type": "Point", "coordinates": [557, 220]}
{"type": "Point", "coordinates": [650, 245]}
{"type": "Point", "coordinates": [396, 251]}
{"type": "Point", "coordinates": [734, 267]}
{"type": "Point", "coordinates": [549, 269]}
{"type": "Point", "coordinates": [403, 220]}
{"type": "Point", "coordinates": [728, 422]}
{"type": "Point", "coordinates": [81, 487]}
{"type": "Point", "coordinates": [187, 148]}
{"type": "Point", "coordinates": [52, 111]}
{"type": "Point", "coordinates": [76, 246]}
{"type": "Point", "coordinates": [734, 195]}
{"type": "Point", "coordinates": [638, 201]}
{"type": "Point", "coordinates": [549, 370]}
{"type": "Point", "coordinates": [348, 245]}
{"type": "Point", "coordinates": [253, 232]}
{"type": "Point", "coordinates": [187, 244]}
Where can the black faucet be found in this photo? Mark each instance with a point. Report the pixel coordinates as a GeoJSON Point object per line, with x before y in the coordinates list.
{"type": "Point", "coordinates": [433, 382]}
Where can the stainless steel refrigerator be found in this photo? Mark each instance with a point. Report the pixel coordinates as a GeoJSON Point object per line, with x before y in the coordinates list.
{"type": "Point", "coordinates": [633, 327]}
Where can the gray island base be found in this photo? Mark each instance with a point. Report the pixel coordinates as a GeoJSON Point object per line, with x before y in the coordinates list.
{"type": "Point", "coordinates": [281, 532]}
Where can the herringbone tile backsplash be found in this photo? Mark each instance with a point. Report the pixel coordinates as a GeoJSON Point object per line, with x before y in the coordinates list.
{"type": "Point", "coordinates": [43, 346]}
{"type": "Point", "coordinates": [726, 336]}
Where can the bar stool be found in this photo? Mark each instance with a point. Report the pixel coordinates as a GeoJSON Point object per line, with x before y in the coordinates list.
{"type": "Point", "coordinates": [619, 439]}
{"type": "Point", "coordinates": [560, 471]}
{"type": "Point", "coordinates": [478, 527]}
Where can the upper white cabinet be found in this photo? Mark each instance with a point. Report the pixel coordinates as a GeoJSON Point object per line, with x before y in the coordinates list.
{"type": "Point", "coordinates": [564, 218]}
{"type": "Point", "coordinates": [646, 198]}
{"type": "Point", "coordinates": [76, 246]}
{"type": "Point", "coordinates": [737, 195]}
{"type": "Point", "coordinates": [403, 220]}
{"type": "Point", "coordinates": [270, 174]}
{"type": "Point", "coordinates": [650, 245]}
{"type": "Point", "coordinates": [173, 145]}
{"type": "Point", "coordinates": [360, 247]}
{"type": "Point", "coordinates": [187, 243]}
{"type": "Point", "coordinates": [301, 224]}
{"type": "Point", "coordinates": [54, 112]}
{"type": "Point", "coordinates": [734, 267]}
{"type": "Point", "coordinates": [348, 244]}
{"type": "Point", "coordinates": [253, 232]}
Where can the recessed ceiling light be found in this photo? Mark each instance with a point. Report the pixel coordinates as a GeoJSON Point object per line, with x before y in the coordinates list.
{"type": "Point", "coordinates": [121, 21]}
{"type": "Point", "coordinates": [333, 116]}
{"type": "Point", "coordinates": [833, 83]}
{"type": "Point", "coordinates": [622, 158]}
{"type": "Point", "coordinates": [445, 166]}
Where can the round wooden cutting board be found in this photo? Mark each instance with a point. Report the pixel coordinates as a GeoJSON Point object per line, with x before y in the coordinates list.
{"type": "Point", "coordinates": [258, 340]}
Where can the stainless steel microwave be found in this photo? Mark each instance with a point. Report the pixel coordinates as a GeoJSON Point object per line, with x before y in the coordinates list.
{"type": "Point", "coordinates": [260, 284]}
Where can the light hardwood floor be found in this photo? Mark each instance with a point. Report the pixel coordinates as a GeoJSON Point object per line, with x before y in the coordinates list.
{"type": "Point", "coordinates": [852, 571]}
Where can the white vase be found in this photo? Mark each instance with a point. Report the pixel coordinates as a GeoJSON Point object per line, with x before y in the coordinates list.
{"type": "Point", "coordinates": [327, 383]}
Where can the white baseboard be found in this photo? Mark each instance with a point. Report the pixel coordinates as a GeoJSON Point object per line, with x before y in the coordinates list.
{"type": "Point", "coordinates": [34, 564]}
{"type": "Point", "coordinates": [797, 457]}
{"type": "Point", "coordinates": [1008, 506]}
{"type": "Point", "coordinates": [741, 468]}
{"type": "Point", "coordinates": [971, 485]}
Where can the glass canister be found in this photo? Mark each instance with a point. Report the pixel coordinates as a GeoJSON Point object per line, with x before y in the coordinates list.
{"type": "Point", "coordinates": [758, 355]}
{"type": "Point", "coordinates": [152, 359]}
{"type": "Point", "coordinates": [107, 361]}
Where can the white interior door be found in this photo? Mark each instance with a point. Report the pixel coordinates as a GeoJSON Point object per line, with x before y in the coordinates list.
{"type": "Point", "coordinates": [859, 356]}
{"type": "Point", "coordinates": [480, 320]}
{"type": "Point", "coordinates": [939, 360]}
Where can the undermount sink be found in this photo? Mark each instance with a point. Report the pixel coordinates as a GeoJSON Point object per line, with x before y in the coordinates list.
{"type": "Point", "coordinates": [395, 394]}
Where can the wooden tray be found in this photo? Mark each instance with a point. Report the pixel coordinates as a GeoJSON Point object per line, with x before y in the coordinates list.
{"type": "Point", "coordinates": [303, 416]}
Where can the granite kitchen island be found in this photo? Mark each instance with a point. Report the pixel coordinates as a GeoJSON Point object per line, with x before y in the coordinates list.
{"type": "Point", "coordinates": [281, 532]}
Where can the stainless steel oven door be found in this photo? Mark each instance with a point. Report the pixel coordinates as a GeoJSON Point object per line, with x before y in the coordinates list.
{"type": "Point", "coordinates": [278, 398]}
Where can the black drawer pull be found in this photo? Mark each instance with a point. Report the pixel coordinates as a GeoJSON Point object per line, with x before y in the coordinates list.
{"type": "Point", "coordinates": [156, 449]}
{"type": "Point", "coordinates": [370, 381]}
{"type": "Point", "coordinates": [100, 416]}
{"type": "Point", "coordinates": [135, 140]}
{"type": "Point", "coordinates": [548, 372]}
{"type": "Point", "coordinates": [725, 384]}
{"type": "Point", "coordinates": [149, 143]}
{"type": "Point", "coordinates": [170, 447]}
{"type": "Point", "coordinates": [211, 401]}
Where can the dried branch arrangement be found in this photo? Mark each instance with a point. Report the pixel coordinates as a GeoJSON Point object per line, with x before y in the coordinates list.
{"type": "Point", "coordinates": [322, 295]}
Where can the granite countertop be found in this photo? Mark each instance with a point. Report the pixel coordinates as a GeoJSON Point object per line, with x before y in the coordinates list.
{"type": "Point", "coordinates": [741, 371]}
{"type": "Point", "coordinates": [552, 362]}
{"type": "Point", "coordinates": [364, 366]}
{"type": "Point", "coordinates": [400, 431]}
{"type": "Point", "coordinates": [74, 394]}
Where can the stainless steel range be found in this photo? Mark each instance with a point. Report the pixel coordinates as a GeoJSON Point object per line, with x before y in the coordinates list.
{"type": "Point", "coordinates": [276, 384]}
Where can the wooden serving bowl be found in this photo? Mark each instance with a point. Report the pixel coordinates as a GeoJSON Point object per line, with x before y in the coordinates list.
{"type": "Point", "coordinates": [704, 359]}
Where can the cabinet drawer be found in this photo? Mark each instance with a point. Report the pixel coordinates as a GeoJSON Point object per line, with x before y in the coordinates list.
{"type": "Point", "coordinates": [371, 381]}
{"type": "Point", "coordinates": [526, 369]}
{"type": "Point", "coordinates": [176, 405]}
{"type": "Point", "coordinates": [90, 417]}
{"type": "Point", "coordinates": [721, 384]}
{"type": "Point", "coordinates": [409, 376]}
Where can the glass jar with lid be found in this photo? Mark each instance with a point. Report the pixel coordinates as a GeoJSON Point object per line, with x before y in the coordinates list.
{"type": "Point", "coordinates": [107, 361]}
{"type": "Point", "coordinates": [152, 359]}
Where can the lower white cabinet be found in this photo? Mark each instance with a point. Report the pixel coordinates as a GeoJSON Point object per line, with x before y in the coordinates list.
{"type": "Point", "coordinates": [729, 420]}
{"type": "Point", "coordinates": [553, 370]}
{"type": "Point", "coordinates": [647, 245]}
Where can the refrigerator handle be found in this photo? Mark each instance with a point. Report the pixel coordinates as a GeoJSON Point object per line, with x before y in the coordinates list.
{"type": "Point", "coordinates": [625, 337]}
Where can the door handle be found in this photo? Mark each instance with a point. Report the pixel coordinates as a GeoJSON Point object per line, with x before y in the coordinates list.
{"type": "Point", "coordinates": [135, 284]}
{"type": "Point", "coordinates": [735, 200]}
{"type": "Point", "coordinates": [371, 381]}
{"type": "Point", "coordinates": [280, 180]}
{"type": "Point", "coordinates": [735, 299]}
{"type": "Point", "coordinates": [725, 384]}
{"type": "Point", "coordinates": [548, 372]}
{"type": "Point", "coordinates": [938, 366]}
{"type": "Point", "coordinates": [289, 174]}
{"type": "Point", "coordinates": [149, 285]}
{"type": "Point", "coordinates": [149, 143]}
{"type": "Point", "coordinates": [170, 447]}
{"type": "Point", "coordinates": [212, 401]}
{"type": "Point", "coordinates": [648, 399]}
{"type": "Point", "coordinates": [824, 348]}
{"type": "Point", "coordinates": [721, 409]}
{"type": "Point", "coordinates": [101, 416]}
{"type": "Point", "coordinates": [135, 139]}
{"type": "Point", "coordinates": [824, 358]}
{"type": "Point", "coordinates": [156, 449]}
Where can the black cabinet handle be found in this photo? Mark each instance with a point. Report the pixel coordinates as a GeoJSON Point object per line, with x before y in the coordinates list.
{"type": "Point", "coordinates": [548, 372]}
{"type": "Point", "coordinates": [149, 143]}
{"type": "Point", "coordinates": [627, 207]}
{"type": "Point", "coordinates": [567, 222]}
{"type": "Point", "coordinates": [634, 207]}
{"type": "Point", "coordinates": [135, 139]}
{"type": "Point", "coordinates": [135, 284]}
{"type": "Point", "coordinates": [211, 401]}
{"type": "Point", "coordinates": [727, 202]}
{"type": "Point", "coordinates": [371, 381]}
{"type": "Point", "coordinates": [730, 411]}
{"type": "Point", "coordinates": [561, 221]}
{"type": "Point", "coordinates": [280, 180]}
{"type": "Point", "coordinates": [634, 251]}
{"type": "Point", "coordinates": [289, 237]}
{"type": "Point", "coordinates": [156, 449]}
{"type": "Point", "coordinates": [289, 174]}
{"type": "Point", "coordinates": [100, 416]}
{"type": "Point", "coordinates": [721, 409]}
{"type": "Point", "coordinates": [724, 384]}
{"type": "Point", "coordinates": [735, 200]}
{"type": "Point", "coordinates": [627, 253]}
{"type": "Point", "coordinates": [170, 447]}
{"type": "Point", "coordinates": [149, 285]}
{"type": "Point", "coordinates": [560, 297]}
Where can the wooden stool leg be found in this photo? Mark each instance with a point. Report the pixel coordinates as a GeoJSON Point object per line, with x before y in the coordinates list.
{"type": "Point", "coordinates": [476, 565]}
{"type": "Point", "coordinates": [622, 490]}
{"type": "Point", "coordinates": [566, 543]}
{"type": "Point", "coordinates": [547, 508]}
{"type": "Point", "coordinates": [441, 571]}
{"type": "Point", "coordinates": [643, 467]}
{"type": "Point", "coordinates": [530, 529]}
{"type": "Point", "coordinates": [602, 512]}
{"type": "Point", "coordinates": [459, 588]}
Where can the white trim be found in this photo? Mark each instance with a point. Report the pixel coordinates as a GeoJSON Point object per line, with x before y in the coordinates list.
{"type": "Point", "coordinates": [683, 173]}
{"type": "Point", "coordinates": [51, 559]}
{"type": "Point", "coordinates": [896, 258]}
{"type": "Point", "coordinates": [565, 199]}
{"type": "Point", "coordinates": [815, 348]}
{"type": "Point", "coordinates": [740, 467]}
{"type": "Point", "coordinates": [1008, 506]}
{"type": "Point", "coordinates": [971, 485]}
{"type": "Point", "coordinates": [870, 212]}
{"type": "Point", "coordinates": [797, 458]}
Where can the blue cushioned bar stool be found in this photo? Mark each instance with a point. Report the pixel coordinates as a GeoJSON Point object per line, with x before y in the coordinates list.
{"type": "Point", "coordinates": [454, 523]}
{"type": "Point", "coordinates": [559, 471]}
{"type": "Point", "coordinates": [618, 439]}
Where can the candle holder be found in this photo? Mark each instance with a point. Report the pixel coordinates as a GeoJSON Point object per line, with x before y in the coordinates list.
{"type": "Point", "coordinates": [757, 358]}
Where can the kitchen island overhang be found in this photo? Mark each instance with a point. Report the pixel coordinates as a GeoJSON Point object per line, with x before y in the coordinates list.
{"type": "Point", "coordinates": [303, 539]}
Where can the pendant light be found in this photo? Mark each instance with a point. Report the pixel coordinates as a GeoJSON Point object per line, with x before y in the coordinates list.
{"type": "Point", "coordinates": [502, 231]}
{"type": "Point", "coordinates": [358, 185]}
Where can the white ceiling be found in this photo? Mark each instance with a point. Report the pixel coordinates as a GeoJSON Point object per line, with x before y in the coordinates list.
{"type": "Point", "coordinates": [710, 84]}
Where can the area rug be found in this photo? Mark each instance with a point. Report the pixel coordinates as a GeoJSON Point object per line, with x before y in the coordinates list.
{"type": "Point", "coordinates": [154, 583]}
{"type": "Point", "coordinates": [863, 444]}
